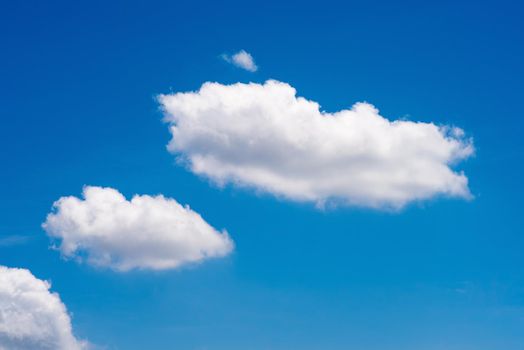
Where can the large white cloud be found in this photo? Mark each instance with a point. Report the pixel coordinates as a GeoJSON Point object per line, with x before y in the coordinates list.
{"type": "Point", "coordinates": [32, 317]}
{"type": "Point", "coordinates": [105, 229]}
{"type": "Point", "coordinates": [265, 137]}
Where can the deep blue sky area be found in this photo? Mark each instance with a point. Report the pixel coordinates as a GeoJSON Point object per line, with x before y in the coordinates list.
{"type": "Point", "coordinates": [78, 86]}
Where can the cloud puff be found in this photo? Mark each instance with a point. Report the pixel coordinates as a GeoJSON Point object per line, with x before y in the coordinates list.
{"type": "Point", "coordinates": [105, 229]}
{"type": "Point", "coordinates": [31, 317]}
{"type": "Point", "coordinates": [242, 59]}
{"type": "Point", "coordinates": [267, 138]}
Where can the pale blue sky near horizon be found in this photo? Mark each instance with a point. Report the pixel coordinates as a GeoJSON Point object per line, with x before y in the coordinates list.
{"type": "Point", "coordinates": [79, 81]}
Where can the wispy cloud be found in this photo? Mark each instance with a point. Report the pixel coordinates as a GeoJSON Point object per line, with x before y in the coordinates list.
{"type": "Point", "coordinates": [8, 241]}
{"type": "Point", "coordinates": [241, 59]}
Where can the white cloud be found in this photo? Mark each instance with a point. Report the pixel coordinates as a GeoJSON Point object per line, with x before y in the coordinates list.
{"type": "Point", "coordinates": [146, 232]}
{"type": "Point", "coordinates": [242, 59]}
{"type": "Point", "coordinates": [32, 317]}
{"type": "Point", "coordinates": [267, 138]}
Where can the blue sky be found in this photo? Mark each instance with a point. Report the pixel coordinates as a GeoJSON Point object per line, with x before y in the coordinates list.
{"type": "Point", "coordinates": [79, 107]}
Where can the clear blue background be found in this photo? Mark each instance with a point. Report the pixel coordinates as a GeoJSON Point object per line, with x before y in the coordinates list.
{"type": "Point", "coordinates": [78, 80]}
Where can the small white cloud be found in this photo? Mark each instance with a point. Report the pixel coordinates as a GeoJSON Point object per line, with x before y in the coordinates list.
{"type": "Point", "coordinates": [242, 59]}
{"type": "Point", "coordinates": [265, 137]}
{"type": "Point", "coordinates": [105, 229]}
{"type": "Point", "coordinates": [32, 317]}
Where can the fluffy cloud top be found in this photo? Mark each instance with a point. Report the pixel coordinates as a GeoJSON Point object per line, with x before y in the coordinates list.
{"type": "Point", "coordinates": [31, 317]}
{"type": "Point", "coordinates": [146, 232]}
{"type": "Point", "coordinates": [243, 60]}
{"type": "Point", "coordinates": [267, 138]}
